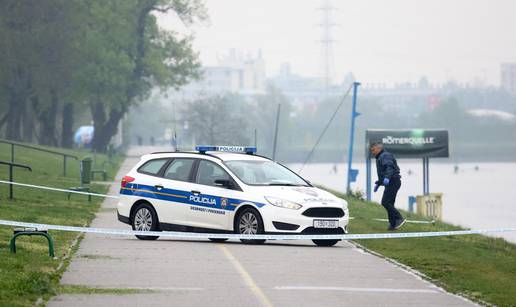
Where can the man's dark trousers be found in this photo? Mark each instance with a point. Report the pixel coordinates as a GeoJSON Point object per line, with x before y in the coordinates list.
{"type": "Point", "coordinates": [388, 199]}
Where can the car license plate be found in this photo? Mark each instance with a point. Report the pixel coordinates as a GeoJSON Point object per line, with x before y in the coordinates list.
{"type": "Point", "coordinates": [326, 224]}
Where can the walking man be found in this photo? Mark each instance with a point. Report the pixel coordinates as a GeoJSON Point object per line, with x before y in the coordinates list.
{"type": "Point", "coordinates": [388, 176]}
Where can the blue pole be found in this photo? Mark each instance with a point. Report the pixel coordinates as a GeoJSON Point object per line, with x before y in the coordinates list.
{"type": "Point", "coordinates": [352, 173]}
{"type": "Point", "coordinates": [368, 177]}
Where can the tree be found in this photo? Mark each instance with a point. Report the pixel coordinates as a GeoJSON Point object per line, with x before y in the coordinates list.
{"type": "Point", "coordinates": [216, 120]}
{"type": "Point", "coordinates": [131, 55]}
{"type": "Point", "coordinates": [40, 61]}
{"type": "Point", "coordinates": [57, 55]}
{"type": "Point", "coordinates": [264, 119]}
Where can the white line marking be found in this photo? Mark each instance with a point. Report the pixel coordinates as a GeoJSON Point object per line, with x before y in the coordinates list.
{"type": "Point", "coordinates": [352, 289]}
{"type": "Point", "coordinates": [247, 278]}
{"type": "Point", "coordinates": [168, 288]}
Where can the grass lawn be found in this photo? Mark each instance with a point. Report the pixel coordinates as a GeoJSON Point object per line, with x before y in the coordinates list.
{"type": "Point", "coordinates": [479, 267]}
{"type": "Point", "coordinates": [31, 273]}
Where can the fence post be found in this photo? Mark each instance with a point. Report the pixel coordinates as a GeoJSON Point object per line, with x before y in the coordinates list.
{"type": "Point", "coordinates": [10, 180]}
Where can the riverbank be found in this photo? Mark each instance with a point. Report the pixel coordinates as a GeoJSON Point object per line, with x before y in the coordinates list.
{"type": "Point", "coordinates": [474, 196]}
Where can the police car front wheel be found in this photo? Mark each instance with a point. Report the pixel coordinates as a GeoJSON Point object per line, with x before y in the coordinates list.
{"type": "Point", "coordinates": [249, 222]}
{"type": "Point", "coordinates": [145, 219]}
{"type": "Point", "coordinates": [218, 240]}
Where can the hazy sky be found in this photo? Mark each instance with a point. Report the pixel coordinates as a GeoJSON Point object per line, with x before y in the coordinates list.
{"type": "Point", "coordinates": [378, 40]}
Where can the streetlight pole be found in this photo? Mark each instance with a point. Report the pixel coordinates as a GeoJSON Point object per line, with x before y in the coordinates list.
{"type": "Point", "coordinates": [352, 173]}
{"type": "Point", "coordinates": [276, 133]}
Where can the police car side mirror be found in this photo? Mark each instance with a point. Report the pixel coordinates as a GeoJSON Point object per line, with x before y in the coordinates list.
{"type": "Point", "coordinates": [223, 183]}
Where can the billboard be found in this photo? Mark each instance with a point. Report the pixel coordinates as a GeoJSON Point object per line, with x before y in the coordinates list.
{"type": "Point", "coordinates": [411, 144]}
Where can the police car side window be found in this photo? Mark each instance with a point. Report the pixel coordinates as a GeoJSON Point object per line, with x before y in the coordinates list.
{"type": "Point", "coordinates": [208, 172]}
{"type": "Point", "coordinates": [152, 167]}
{"type": "Point", "coordinates": [179, 169]}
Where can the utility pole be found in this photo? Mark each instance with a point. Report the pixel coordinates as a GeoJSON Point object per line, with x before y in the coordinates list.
{"type": "Point", "coordinates": [276, 133]}
{"type": "Point", "coordinates": [174, 140]}
{"type": "Point", "coordinates": [255, 138]}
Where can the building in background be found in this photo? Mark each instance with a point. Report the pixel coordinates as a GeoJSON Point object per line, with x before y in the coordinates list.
{"type": "Point", "coordinates": [235, 73]}
{"type": "Point", "coordinates": [508, 77]}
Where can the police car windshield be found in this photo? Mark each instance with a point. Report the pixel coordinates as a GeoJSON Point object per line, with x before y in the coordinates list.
{"type": "Point", "coordinates": [254, 172]}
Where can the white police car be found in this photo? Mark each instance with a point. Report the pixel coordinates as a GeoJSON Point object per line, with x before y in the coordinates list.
{"type": "Point", "coordinates": [226, 189]}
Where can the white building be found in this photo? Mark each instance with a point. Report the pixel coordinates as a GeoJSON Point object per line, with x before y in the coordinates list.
{"type": "Point", "coordinates": [235, 73]}
{"type": "Point", "coordinates": [508, 77]}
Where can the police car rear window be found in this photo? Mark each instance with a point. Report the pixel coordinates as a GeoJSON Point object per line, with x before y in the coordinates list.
{"type": "Point", "coordinates": [179, 169]}
{"type": "Point", "coordinates": [152, 167]}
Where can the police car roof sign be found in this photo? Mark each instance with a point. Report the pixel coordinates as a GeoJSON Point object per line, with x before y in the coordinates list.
{"type": "Point", "coordinates": [239, 149]}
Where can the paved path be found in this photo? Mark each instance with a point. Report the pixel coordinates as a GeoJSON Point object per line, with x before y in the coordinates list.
{"type": "Point", "coordinates": [193, 273]}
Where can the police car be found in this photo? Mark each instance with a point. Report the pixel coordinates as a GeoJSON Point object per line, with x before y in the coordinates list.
{"type": "Point", "coordinates": [226, 189]}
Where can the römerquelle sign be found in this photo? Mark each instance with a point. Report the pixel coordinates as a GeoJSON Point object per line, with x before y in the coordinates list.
{"type": "Point", "coordinates": [417, 143]}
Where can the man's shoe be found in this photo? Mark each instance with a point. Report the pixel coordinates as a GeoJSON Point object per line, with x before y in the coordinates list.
{"type": "Point", "coordinates": [391, 228]}
{"type": "Point", "coordinates": [399, 223]}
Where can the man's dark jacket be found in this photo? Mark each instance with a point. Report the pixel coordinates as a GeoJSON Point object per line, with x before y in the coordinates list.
{"type": "Point", "coordinates": [386, 166]}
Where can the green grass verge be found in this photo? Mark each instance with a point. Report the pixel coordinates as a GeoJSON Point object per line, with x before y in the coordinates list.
{"type": "Point", "coordinates": [75, 289]}
{"type": "Point", "coordinates": [31, 273]}
{"type": "Point", "coordinates": [479, 267]}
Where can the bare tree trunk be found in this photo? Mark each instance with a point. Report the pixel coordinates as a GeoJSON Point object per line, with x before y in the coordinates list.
{"type": "Point", "coordinates": [105, 127]}
{"type": "Point", "coordinates": [28, 122]}
{"type": "Point", "coordinates": [67, 126]}
{"type": "Point", "coordinates": [19, 91]}
{"type": "Point", "coordinates": [14, 117]}
{"type": "Point", "coordinates": [47, 119]}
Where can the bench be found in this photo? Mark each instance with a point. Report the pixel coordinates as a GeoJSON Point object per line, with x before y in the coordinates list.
{"type": "Point", "coordinates": [80, 189]}
{"type": "Point", "coordinates": [100, 171]}
{"type": "Point", "coordinates": [85, 178]}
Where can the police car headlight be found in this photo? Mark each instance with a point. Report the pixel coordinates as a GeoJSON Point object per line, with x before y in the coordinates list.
{"type": "Point", "coordinates": [283, 203]}
{"type": "Point", "coordinates": [344, 204]}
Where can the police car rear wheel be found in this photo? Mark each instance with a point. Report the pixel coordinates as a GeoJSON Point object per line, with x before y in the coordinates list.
{"type": "Point", "coordinates": [145, 219]}
{"type": "Point", "coordinates": [249, 222]}
{"type": "Point", "coordinates": [325, 242]}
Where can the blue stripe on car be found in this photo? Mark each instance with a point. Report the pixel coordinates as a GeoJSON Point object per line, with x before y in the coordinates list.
{"type": "Point", "coordinates": [184, 197]}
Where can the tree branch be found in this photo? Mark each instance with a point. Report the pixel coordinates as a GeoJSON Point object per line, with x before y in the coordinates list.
{"type": "Point", "coordinates": [163, 10]}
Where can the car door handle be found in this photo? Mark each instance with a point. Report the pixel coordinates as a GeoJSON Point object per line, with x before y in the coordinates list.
{"type": "Point", "coordinates": [158, 187]}
{"type": "Point", "coordinates": [195, 192]}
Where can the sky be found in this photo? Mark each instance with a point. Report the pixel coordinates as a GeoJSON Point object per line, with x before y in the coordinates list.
{"type": "Point", "coordinates": [380, 41]}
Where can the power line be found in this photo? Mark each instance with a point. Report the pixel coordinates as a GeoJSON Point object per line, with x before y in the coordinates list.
{"type": "Point", "coordinates": [327, 126]}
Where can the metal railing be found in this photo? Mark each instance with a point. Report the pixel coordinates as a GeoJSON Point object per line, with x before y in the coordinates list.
{"type": "Point", "coordinates": [11, 166]}
{"type": "Point", "coordinates": [14, 144]}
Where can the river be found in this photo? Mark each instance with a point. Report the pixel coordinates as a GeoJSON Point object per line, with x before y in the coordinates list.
{"type": "Point", "coordinates": [478, 196]}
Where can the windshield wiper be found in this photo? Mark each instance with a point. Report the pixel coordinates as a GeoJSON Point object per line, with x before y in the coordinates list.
{"type": "Point", "coordinates": [284, 184]}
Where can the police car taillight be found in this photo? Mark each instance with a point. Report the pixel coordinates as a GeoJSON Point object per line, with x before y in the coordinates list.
{"type": "Point", "coordinates": [126, 180]}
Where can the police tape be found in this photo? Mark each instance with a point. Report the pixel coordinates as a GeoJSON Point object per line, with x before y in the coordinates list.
{"type": "Point", "coordinates": [117, 197]}
{"type": "Point", "coordinates": [409, 221]}
{"type": "Point", "coordinates": [191, 235]}
{"type": "Point", "coordinates": [57, 189]}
